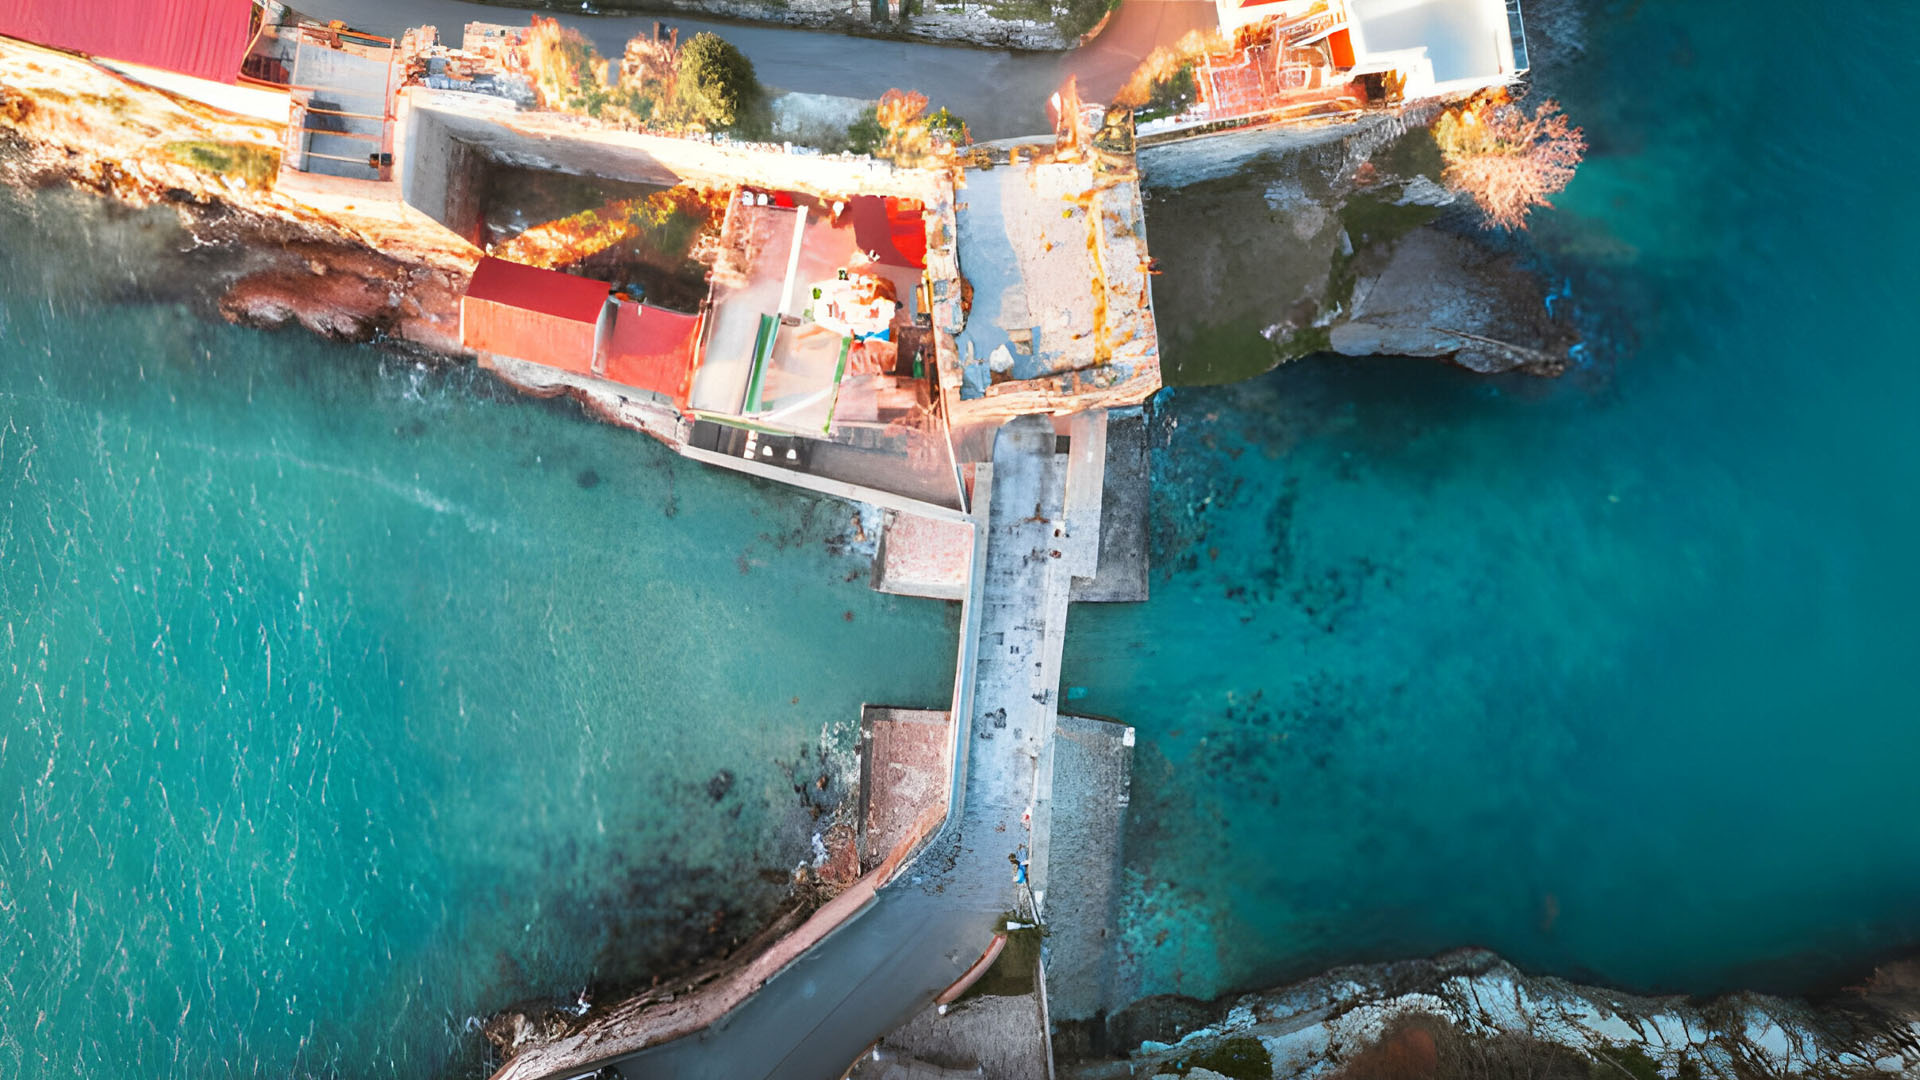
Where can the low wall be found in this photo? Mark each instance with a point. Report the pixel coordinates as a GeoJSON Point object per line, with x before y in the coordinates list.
{"type": "Point", "coordinates": [558, 141]}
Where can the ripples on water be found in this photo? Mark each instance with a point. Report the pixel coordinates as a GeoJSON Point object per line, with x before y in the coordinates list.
{"type": "Point", "coordinates": [1615, 675]}
{"type": "Point", "coordinates": [346, 699]}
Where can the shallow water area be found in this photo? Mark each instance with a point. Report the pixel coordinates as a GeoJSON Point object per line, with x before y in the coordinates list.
{"type": "Point", "coordinates": [1613, 675]}
{"type": "Point", "coordinates": [349, 699]}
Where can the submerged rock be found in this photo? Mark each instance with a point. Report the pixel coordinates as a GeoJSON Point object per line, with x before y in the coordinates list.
{"type": "Point", "coordinates": [529, 1023]}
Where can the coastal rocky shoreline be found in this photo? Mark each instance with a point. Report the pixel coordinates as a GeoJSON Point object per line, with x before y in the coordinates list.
{"type": "Point", "coordinates": [350, 276]}
{"type": "Point", "coordinates": [1381, 258]}
{"type": "Point", "coordinates": [267, 271]}
{"type": "Point", "coordinates": [1470, 1014]}
{"type": "Point", "coordinates": [947, 24]}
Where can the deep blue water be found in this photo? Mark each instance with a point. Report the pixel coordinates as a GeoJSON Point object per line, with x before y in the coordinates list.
{"type": "Point", "coordinates": [1618, 675]}
{"type": "Point", "coordinates": [346, 700]}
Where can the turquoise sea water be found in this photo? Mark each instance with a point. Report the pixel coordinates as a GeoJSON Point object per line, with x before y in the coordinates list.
{"type": "Point", "coordinates": [1617, 675]}
{"type": "Point", "coordinates": [346, 700]}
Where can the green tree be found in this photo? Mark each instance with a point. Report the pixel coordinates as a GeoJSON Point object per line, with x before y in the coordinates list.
{"type": "Point", "coordinates": [716, 83]}
{"type": "Point", "coordinates": [865, 135]}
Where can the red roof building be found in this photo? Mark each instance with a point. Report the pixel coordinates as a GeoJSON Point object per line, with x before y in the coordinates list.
{"type": "Point", "coordinates": [652, 349]}
{"type": "Point", "coordinates": [527, 313]}
{"type": "Point", "coordinates": [892, 228]}
{"type": "Point", "coordinates": [203, 38]}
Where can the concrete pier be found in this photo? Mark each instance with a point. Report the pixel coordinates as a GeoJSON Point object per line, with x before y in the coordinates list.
{"type": "Point", "coordinates": [1121, 569]}
{"type": "Point", "coordinates": [1092, 778]}
{"type": "Point", "coordinates": [869, 969]}
{"type": "Point", "coordinates": [1047, 540]}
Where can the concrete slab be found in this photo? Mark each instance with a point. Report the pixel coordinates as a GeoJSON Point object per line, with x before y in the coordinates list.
{"type": "Point", "coordinates": [1086, 473]}
{"type": "Point", "coordinates": [1092, 779]}
{"type": "Point", "coordinates": [1024, 245]}
{"type": "Point", "coordinates": [1055, 252]}
{"type": "Point", "coordinates": [1126, 492]}
{"type": "Point", "coordinates": [905, 766]}
{"type": "Point", "coordinates": [999, 1036]}
{"type": "Point", "coordinates": [921, 556]}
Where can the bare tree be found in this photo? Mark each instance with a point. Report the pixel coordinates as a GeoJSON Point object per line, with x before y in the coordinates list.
{"type": "Point", "coordinates": [1509, 161]}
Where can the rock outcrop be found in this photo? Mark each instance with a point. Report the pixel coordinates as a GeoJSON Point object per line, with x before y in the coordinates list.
{"type": "Point", "coordinates": [1335, 239]}
{"type": "Point", "coordinates": [958, 26]}
{"type": "Point", "coordinates": [1442, 294]}
{"type": "Point", "coordinates": [1472, 1014]}
{"type": "Point", "coordinates": [350, 294]}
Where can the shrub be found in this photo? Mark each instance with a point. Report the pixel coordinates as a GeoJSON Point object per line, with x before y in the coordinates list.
{"type": "Point", "coordinates": [706, 83]}
{"type": "Point", "coordinates": [567, 72]}
{"type": "Point", "coordinates": [865, 135]}
{"type": "Point", "coordinates": [949, 127]}
{"type": "Point", "coordinates": [898, 128]}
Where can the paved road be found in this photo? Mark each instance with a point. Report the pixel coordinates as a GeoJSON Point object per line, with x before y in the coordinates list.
{"type": "Point", "coordinates": [1139, 27]}
{"type": "Point", "coordinates": [1001, 94]}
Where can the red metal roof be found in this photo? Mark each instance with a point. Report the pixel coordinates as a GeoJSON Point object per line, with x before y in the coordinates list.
{"type": "Point", "coordinates": [548, 292]}
{"type": "Point", "coordinates": [894, 229]}
{"type": "Point", "coordinates": [204, 38]}
{"type": "Point", "coordinates": [652, 348]}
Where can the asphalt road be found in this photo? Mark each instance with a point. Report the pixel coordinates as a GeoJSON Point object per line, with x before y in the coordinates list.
{"type": "Point", "coordinates": [999, 93]}
{"type": "Point", "coordinates": [812, 1019]}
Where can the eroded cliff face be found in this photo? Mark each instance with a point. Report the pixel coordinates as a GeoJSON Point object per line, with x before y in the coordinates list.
{"type": "Point", "coordinates": [1340, 239]}
{"type": "Point", "coordinates": [1280, 242]}
{"type": "Point", "coordinates": [1470, 1014]}
{"type": "Point", "coordinates": [338, 262]}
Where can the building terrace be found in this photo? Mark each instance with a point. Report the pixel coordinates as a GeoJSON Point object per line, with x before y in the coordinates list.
{"type": "Point", "coordinates": [865, 323]}
{"type": "Point", "coordinates": [1280, 61]}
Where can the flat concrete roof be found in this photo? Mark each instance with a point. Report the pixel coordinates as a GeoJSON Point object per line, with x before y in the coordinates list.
{"type": "Point", "coordinates": [1023, 247]}
{"type": "Point", "coordinates": [1463, 39]}
{"type": "Point", "coordinates": [1056, 254]}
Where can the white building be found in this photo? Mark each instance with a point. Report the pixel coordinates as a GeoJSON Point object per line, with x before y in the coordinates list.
{"type": "Point", "coordinates": [1438, 47]}
{"type": "Point", "coordinates": [1441, 47]}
